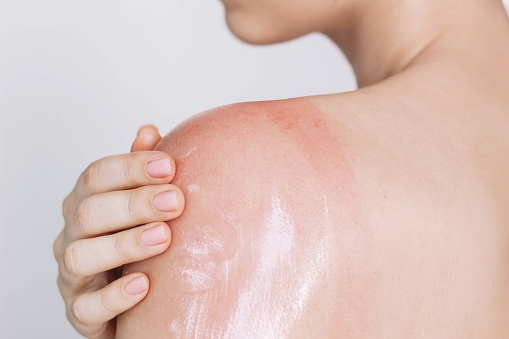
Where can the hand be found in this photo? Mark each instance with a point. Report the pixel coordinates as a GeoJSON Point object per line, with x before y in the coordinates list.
{"type": "Point", "coordinates": [112, 197]}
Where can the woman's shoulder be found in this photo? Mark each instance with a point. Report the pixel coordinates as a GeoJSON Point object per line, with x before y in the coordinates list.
{"type": "Point", "coordinates": [269, 196]}
{"type": "Point", "coordinates": [289, 119]}
{"type": "Point", "coordinates": [279, 190]}
{"type": "Point", "coordinates": [261, 138]}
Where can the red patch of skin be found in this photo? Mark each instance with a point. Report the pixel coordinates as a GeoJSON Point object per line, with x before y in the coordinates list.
{"type": "Point", "coordinates": [310, 130]}
{"type": "Point", "coordinates": [270, 243]}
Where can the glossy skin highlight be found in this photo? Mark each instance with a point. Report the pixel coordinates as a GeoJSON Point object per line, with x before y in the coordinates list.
{"type": "Point", "coordinates": [258, 256]}
{"type": "Point", "coordinates": [387, 219]}
{"type": "Point", "coordinates": [301, 224]}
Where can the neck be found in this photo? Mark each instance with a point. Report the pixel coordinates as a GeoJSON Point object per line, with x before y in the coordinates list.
{"type": "Point", "coordinates": [384, 38]}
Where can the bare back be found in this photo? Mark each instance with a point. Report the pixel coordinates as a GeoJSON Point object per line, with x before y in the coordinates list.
{"type": "Point", "coordinates": [351, 215]}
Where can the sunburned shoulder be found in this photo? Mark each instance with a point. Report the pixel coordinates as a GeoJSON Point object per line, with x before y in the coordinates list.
{"type": "Point", "coordinates": [236, 162]}
{"type": "Point", "coordinates": [259, 144]}
{"type": "Point", "coordinates": [266, 185]}
{"type": "Point", "coordinates": [300, 224]}
{"type": "Point", "coordinates": [234, 128]}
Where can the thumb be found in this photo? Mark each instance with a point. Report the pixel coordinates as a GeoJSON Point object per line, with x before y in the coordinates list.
{"type": "Point", "coordinates": [147, 139]}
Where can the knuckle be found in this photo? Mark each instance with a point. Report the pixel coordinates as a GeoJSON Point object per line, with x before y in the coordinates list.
{"type": "Point", "coordinates": [131, 202]}
{"type": "Point", "coordinates": [91, 177]}
{"type": "Point", "coordinates": [77, 311]}
{"type": "Point", "coordinates": [82, 215]}
{"type": "Point", "coordinates": [120, 247]}
{"type": "Point", "coordinates": [71, 261]}
{"type": "Point", "coordinates": [65, 206]}
{"type": "Point", "coordinates": [108, 302]}
{"type": "Point", "coordinates": [64, 288]}
{"type": "Point", "coordinates": [57, 247]}
{"type": "Point", "coordinates": [130, 163]}
{"type": "Point", "coordinates": [60, 285]}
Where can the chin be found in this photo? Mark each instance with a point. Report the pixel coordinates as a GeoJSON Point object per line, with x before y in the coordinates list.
{"type": "Point", "coordinates": [257, 32]}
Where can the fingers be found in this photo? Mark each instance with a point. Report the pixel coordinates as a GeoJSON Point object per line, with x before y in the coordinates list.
{"type": "Point", "coordinates": [96, 308]}
{"type": "Point", "coordinates": [112, 194]}
{"type": "Point", "coordinates": [120, 172]}
{"type": "Point", "coordinates": [147, 139]}
{"type": "Point", "coordinates": [114, 211]}
{"type": "Point", "coordinates": [88, 257]}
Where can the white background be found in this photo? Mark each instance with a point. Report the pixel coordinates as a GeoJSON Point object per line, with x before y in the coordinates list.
{"type": "Point", "coordinates": [77, 78]}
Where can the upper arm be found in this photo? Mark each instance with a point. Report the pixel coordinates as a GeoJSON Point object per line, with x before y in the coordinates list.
{"type": "Point", "coordinates": [253, 246]}
{"type": "Point", "coordinates": [279, 238]}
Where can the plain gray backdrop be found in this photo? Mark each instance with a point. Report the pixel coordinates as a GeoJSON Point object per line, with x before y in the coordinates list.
{"type": "Point", "coordinates": [77, 79]}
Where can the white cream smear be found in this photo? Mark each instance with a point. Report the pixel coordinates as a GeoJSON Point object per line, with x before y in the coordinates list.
{"type": "Point", "coordinates": [202, 257]}
{"type": "Point", "coordinates": [262, 311]}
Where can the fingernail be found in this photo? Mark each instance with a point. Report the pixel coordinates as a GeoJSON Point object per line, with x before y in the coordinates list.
{"type": "Point", "coordinates": [166, 202]}
{"type": "Point", "coordinates": [136, 286]}
{"type": "Point", "coordinates": [159, 168]}
{"type": "Point", "coordinates": [153, 236]}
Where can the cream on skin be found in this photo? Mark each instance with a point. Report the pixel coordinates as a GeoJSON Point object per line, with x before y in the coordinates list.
{"type": "Point", "coordinates": [264, 234]}
{"type": "Point", "coordinates": [378, 213]}
{"type": "Point", "coordinates": [299, 224]}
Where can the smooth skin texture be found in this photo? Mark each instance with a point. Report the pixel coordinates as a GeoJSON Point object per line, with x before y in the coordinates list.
{"type": "Point", "coordinates": [112, 197]}
{"type": "Point", "coordinates": [255, 258]}
{"type": "Point", "coordinates": [412, 237]}
{"type": "Point", "coordinates": [425, 141]}
{"type": "Point", "coordinates": [329, 228]}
